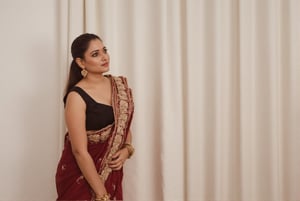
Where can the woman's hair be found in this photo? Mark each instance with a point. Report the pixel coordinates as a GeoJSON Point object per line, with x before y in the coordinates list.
{"type": "Point", "coordinates": [78, 48]}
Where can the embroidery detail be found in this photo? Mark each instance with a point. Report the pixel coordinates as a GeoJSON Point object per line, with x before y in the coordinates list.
{"type": "Point", "coordinates": [79, 179]}
{"type": "Point", "coordinates": [99, 135]}
{"type": "Point", "coordinates": [124, 113]}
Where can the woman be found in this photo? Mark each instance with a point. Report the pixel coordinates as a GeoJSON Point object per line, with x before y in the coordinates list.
{"type": "Point", "coordinates": [98, 113]}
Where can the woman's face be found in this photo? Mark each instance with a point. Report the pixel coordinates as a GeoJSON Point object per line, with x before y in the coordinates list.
{"type": "Point", "coordinates": [96, 58]}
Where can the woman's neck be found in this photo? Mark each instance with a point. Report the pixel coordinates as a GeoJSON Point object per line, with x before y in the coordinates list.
{"type": "Point", "coordinates": [95, 79]}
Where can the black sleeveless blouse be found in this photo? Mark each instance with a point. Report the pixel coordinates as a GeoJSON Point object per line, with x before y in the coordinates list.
{"type": "Point", "coordinates": [98, 115]}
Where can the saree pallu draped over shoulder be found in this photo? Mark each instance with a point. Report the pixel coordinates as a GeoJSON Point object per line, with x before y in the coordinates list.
{"type": "Point", "coordinates": [102, 145]}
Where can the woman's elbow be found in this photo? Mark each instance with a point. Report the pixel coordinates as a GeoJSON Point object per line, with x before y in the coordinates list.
{"type": "Point", "coordinates": [78, 153]}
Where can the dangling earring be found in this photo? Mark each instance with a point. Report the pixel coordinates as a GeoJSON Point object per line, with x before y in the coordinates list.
{"type": "Point", "coordinates": [84, 73]}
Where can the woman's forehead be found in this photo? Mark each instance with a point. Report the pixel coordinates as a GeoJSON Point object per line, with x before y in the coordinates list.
{"type": "Point", "coordinates": [95, 44]}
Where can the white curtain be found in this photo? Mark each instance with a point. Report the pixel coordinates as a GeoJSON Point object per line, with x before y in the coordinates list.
{"type": "Point", "coordinates": [216, 88]}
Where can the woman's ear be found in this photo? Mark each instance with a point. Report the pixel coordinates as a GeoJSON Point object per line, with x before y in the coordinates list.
{"type": "Point", "coordinates": [80, 62]}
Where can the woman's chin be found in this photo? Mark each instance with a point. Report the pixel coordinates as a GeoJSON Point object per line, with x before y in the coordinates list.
{"type": "Point", "coordinates": [104, 69]}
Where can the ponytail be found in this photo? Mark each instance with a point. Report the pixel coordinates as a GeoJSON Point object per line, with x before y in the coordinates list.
{"type": "Point", "coordinates": [74, 77]}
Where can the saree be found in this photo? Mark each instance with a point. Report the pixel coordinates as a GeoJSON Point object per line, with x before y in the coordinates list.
{"type": "Point", "coordinates": [102, 145]}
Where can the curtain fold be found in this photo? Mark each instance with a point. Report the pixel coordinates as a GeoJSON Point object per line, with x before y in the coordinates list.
{"type": "Point", "coordinates": [215, 89]}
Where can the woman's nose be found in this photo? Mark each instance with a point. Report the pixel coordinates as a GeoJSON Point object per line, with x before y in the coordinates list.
{"type": "Point", "coordinates": [104, 58]}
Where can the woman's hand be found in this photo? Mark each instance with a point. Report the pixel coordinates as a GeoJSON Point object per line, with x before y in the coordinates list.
{"type": "Point", "coordinates": [118, 159]}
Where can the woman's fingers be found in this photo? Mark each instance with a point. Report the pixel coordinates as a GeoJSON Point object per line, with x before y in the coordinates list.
{"type": "Point", "coordinates": [116, 166]}
{"type": "Point", "coordinates": [118, 159]}
{"type": "Point", "coordinates": [116, 155]}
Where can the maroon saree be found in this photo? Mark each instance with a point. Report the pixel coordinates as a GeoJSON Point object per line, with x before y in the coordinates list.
{"type": "Point", "coordinates": [102, 144]}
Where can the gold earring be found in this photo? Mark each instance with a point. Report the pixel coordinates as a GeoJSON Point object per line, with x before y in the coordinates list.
{"type": "Point", "coordinates": [84, 73]}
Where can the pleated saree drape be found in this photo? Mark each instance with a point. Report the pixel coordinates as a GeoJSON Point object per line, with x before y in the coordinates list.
{"type": "Point", "coordinates": [216, 93]}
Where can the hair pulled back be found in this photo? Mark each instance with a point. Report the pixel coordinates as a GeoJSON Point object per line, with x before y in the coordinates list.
{"type": "Point", "coordinates": [78, 48]}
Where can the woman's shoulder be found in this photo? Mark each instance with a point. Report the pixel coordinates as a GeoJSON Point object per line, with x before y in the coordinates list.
{"type": "Point", "coordinates": [76, 93]}
{"type": "Point", "coordinates": [74, 97]}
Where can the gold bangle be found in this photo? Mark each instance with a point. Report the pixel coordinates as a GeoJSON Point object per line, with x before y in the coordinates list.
{"type": "Point", "coordinates": [104, 197]}
{"type": "Point", "coordinates": [129, 148]}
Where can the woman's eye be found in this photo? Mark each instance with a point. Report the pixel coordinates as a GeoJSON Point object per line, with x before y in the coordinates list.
{"type": "Point", "coordinates": [105, 50]}
{"type": "Point", "coordinates": [95, 54]}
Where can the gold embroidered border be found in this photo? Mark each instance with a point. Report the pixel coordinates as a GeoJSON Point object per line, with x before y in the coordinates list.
{"type": "Point", "coordinates": [123, 101]}
{"type": "Point", "coordinates": [99, 135]}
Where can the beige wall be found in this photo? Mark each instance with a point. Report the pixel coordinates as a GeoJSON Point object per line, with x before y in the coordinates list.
{"type": "Point", "coordinates": [29, 100]}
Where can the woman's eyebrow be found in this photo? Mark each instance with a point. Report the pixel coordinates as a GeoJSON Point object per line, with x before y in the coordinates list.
{"type": "Point", "coordinates": [94, 51]}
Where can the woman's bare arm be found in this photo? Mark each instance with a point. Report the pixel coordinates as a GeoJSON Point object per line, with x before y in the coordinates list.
{"type": "Point", "coordinates": [129, 137]}
{"type": "Point", "coordinates": [75, 120]}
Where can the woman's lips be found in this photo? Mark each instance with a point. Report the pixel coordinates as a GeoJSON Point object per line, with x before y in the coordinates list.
{"type": "Point", "coordinates": [105, 64]}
